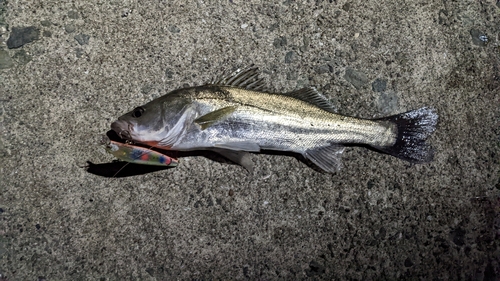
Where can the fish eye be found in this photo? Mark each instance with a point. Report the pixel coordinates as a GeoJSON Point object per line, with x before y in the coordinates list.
{"type": "Point", "coordinates": [137, 112]}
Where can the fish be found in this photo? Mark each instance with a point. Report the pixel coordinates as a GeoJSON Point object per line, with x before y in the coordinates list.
{"type": "Point", "coordinates": [237, 114]}
{"type": "Point", "coordinates": [137, 154]}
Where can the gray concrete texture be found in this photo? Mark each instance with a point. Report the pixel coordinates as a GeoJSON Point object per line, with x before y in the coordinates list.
{"type": "Point", "coordinates": [69, 68]}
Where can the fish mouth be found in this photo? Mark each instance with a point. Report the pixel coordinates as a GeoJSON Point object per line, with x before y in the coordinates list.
{"type": "Point", "coordinates": [122, 129]}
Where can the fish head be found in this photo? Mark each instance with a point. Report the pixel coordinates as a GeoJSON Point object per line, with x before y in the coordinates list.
{"type": "Point", "coordinates": [153, 122]}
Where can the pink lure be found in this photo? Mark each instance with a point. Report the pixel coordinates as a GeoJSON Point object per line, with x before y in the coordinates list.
{"type": "Point", "coordinates": [138, 154]}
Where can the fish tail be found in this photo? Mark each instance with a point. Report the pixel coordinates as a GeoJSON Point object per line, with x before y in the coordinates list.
{"type": "Point", "coordinates": [413, 129]}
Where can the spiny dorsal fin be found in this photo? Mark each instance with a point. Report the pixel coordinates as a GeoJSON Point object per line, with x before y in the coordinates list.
{"type": "Point", "coordinates": [312, 96]}
{"type": "Point", "coordinates": [208, 119]}
{"type": "Point", "coordinates": [247, 78]}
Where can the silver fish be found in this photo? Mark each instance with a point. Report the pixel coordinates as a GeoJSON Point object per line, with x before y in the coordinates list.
{"type": "Point", "coordinates": [235, 115]}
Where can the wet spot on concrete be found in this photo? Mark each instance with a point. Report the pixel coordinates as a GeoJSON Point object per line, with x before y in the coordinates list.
{"type": "Point", "coordinates": [458, 236]}
{"type": "Point", "coordinates": [408, 262]}
{"type": "Point", "coordinates": [489, 272]}
{"type": "Point", "coordinates": [22, 35]}
{"type": "Point", "coordinates": [315, 269]}
{"type": "Point", "coordinates": [478, 37]}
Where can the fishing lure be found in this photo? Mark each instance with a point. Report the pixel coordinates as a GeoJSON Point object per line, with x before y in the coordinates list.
{"type": "Point", "coordinates": [137, 154]}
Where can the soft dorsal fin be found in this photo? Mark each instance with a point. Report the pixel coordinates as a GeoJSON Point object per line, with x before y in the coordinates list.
{"type": "Point", "coordinates": [210, 118]}
{"type": "Point", "coordinates": [247, 78]}
{"type": "Point", "coordinates": [312, 96]}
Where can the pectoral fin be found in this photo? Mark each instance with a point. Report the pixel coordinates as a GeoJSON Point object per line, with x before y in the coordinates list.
{"type": "Point", "coordinates": [211, 118]}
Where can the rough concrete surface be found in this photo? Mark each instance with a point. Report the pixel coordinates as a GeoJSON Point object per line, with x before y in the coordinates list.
{"type": "Point", "coordinates": [86, 62]}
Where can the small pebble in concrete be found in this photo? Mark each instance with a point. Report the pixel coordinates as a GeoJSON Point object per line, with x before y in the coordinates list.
{"type": "Point", "coordinates": [379, 85]}
{"type": "Point", "coordinates": [70, 28]}
{"type": "Point", "coordinates": [5, 60]}
{"type": "Point", "coordinates": [290, 57]}
{"type": "Point", "coordinates": [174, 29]}
{"type": "Point", "coordinates": [73, 15]}
{"type": "Point", "coordinates": [314, 269]}
{"type": "Point", "coordinates": [388, 102]}
{"type": "Point", "coordinates": [292, 76]}
{"type": "Point", "coordinates": [408, 262]}
{"type": "Point", "coordinates": [82, 39]}
{"type": "Point", "coordinates": [22, 57]}
{"type": "Point", "coordinates": [356, 78]}
{"type": "Point", "coordinates": [322, 69]}
{"type": "Point", "coordinates": [79, 52]}
{"type": "Point", "coordinates": [22, 35]}
{"type": "Point", "coordinates": [45, 23]}
{"type": "Point", "coordinates": [307, 41]}
{"type": "Point", "coordinates": [169, 73]}
{"type": "Point", "coordinates": [279, 42]}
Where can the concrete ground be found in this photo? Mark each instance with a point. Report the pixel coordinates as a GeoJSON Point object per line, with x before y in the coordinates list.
{"type": "Point", "coordinates": [70, 68]}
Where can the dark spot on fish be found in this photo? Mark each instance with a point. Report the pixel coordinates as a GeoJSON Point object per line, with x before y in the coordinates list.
{"type": "Point", "coordinates": [138, 111]}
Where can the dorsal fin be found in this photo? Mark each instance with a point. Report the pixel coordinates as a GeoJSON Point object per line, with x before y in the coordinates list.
{"type": "Point", "coordinates": [312, 96]}
{"type": "Point", "coordinates": [247, 78]}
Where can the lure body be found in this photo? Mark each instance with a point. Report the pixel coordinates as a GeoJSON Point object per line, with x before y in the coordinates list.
{"type": "Point", "coordinates": [138, 154]}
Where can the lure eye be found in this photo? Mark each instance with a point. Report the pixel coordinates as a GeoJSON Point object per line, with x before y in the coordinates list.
{"type": "Point", "coordinates": [137, 112]}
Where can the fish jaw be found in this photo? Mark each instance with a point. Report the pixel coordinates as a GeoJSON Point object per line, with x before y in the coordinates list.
{"type": "Point", "coordinates": [132, 133]}
{"type": "Point", "coordinates": [123, 129]}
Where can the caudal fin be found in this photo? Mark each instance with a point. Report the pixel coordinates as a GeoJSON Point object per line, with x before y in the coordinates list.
{"type": "Point", "coordinates": [414, 127]}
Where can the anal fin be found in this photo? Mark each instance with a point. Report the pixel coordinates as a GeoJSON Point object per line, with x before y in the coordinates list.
{"type": "Point", "coordinates": [327, 158]}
